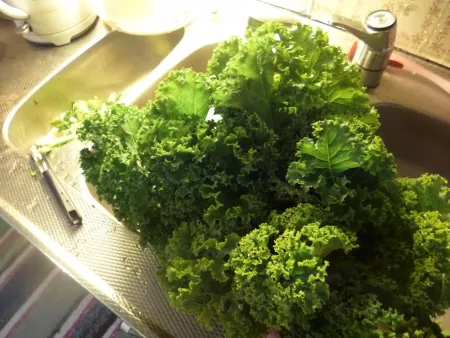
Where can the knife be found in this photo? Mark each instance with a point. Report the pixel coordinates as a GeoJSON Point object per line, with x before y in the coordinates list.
{"type": "Point", "coordinates": [56, 187]}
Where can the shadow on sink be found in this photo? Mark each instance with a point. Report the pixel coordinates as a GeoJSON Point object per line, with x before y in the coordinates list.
{"type": "Point", "coordinates": [420, 143]}
{"type": "Point", "coordinates": [112, 64]}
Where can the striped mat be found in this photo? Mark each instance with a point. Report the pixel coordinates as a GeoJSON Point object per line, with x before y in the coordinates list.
{"type": "Point", "coordinates": [38, 300]}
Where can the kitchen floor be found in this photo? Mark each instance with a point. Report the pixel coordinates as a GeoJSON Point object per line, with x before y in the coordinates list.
{"type": "Point", "coordinates": [39, 300]}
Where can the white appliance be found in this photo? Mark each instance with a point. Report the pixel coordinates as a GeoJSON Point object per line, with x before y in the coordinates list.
{"type": "Point", "coordinates": [146, 17]}
{"type": "Point", "coordinates": [49, 21]}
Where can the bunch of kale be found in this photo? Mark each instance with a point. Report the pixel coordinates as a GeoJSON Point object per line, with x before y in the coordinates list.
{"type": "Point", "coordinates": [285, 214]}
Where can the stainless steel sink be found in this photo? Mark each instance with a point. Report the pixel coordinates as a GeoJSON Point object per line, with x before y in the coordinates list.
{"type": "Point", "coordinates": [113, 64]}
{"type": "Point", "coordinates": [419, 142]}
{"type": "Point", "coordinates": [415, 127]}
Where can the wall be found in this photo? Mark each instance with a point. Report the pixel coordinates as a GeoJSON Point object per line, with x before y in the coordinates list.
{"type": "Point", "coordinates": [423, 25]}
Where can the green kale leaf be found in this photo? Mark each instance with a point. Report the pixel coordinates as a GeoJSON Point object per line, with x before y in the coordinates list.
{"type": "Point", "coordinates": [325, 165]}
{"type": "Point", "coordinates": [280, 269]}
{"type": "Point", "coordinates": [283, 214]}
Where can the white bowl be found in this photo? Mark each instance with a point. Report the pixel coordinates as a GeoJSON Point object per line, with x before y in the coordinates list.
{"type": "Point", "coordinates": [145, 17]}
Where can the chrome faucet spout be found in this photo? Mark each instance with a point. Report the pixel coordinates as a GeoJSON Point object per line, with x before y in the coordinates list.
{"type": "Point", "coordinates": [376, 42]}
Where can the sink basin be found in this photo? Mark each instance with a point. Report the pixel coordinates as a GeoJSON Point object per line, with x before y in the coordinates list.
{"type": "Point", "coordinates": [418, 141]}
{"type": "Point", "coordinates": [113, 64]}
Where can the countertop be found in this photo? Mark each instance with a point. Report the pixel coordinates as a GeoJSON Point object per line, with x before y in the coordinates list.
{"type": "Point", "coordinates": [96, 254]}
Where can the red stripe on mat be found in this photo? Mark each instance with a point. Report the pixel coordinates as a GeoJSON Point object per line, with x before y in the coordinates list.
{"type": "Point", "coordinates": [83, 314]}
{"type": "Point", "coordinates": [114, 330]}
{"type": "Point", "coordinates": [30, 303]}
{"type": "Point", "coordinates": [18, 262]}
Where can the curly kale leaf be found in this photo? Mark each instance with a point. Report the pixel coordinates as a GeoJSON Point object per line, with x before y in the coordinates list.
{"type": "Point", "coordinates": [171, 171]}
{"type": "Point", "coordinates": [429, 280]}
{"type": "Point", "coordinates": [328, 165]}
{"type": "Point", "coordinates": [198, 281]}
{"type": "Point", "coordinates": [290, 78]}
{"type": "Point", "coordinates": [183, 92]}
{"type": "Point", "coordinates": [293, 71]}
{"type": "Point", "coordinates": [222, 54]}
{"type": "Point", "coordinates": [280, 269]}
{"type": "Point", "coordinates": [187, 261]}
{"type": "Point", "coordinates": [136, 194]}
{"type": "Point", "coordinates": [238, 159]}
{"type": "Point", "coordinates": [286, 213]}
{"type": "Point", "coordinates": [358, 316]}
{"type": "Point", "coordinates": [426, 193]}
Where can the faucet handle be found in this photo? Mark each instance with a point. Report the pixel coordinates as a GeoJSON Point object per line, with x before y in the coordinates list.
{"type": "Point", "coordinates": [377, 36]}
{"type": "Point", "coordinates": [357, 28]}
{"type": "Point", "coordinates": [377, 30]}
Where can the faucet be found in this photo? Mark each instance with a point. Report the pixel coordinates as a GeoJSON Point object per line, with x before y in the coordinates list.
{"type": "Point", "coordinates": [376, 35]}
{"type": "Point", "coordinates": [376, 42]}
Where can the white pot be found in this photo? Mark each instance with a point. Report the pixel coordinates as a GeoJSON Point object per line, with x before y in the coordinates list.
{"type": "Point", "coordinates": [49, 21]}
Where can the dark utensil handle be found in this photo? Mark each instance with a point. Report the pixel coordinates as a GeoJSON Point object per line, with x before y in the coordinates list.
{"type": "Point", "coordinates": [62, 196]}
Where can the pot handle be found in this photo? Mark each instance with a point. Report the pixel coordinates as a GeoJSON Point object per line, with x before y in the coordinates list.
{"type": "Point", "coordinates": [12, 12]}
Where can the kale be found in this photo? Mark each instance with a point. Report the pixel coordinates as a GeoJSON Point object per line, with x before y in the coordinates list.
{"type": "Point", "coordinates": [282, 213]}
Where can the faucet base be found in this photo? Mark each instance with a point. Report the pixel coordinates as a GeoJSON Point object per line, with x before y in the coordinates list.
{"type": "Point", "coordinates": [371, 78]}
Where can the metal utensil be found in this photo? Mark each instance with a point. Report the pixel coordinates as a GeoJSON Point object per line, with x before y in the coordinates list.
{"type": "Point", "coordinates": [58, 190]}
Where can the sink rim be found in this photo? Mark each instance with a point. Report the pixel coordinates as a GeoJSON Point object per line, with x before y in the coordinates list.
{"type": "Point", "coordinates": [11, 115]}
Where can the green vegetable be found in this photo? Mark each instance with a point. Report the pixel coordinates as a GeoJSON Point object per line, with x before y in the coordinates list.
{"type": "Point", "coordinates": [285, 214]}
{"type": "Point", "coordinates": [280, 268]}
{"type": "Point", "coordinates": [340, 147]}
